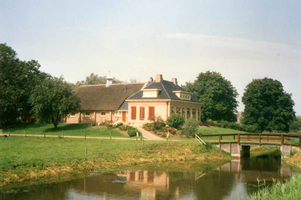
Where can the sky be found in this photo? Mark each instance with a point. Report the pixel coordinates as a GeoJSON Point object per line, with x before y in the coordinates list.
{"type": "Point", "coordinates": [243, 40]}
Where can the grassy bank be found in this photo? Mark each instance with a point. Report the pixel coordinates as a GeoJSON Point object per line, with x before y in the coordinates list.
{"type": "Point", "coordinates": [52, 159]}
{"type": "Point", "coordinates": [290, 191]}
{"type": "Point", "coordinates": [66, 129]}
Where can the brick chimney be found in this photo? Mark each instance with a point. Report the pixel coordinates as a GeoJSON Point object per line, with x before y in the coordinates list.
{"type": "Point", "coordinates": [175, 81]}
{"type": "Point", "coordinates": [159, 78]}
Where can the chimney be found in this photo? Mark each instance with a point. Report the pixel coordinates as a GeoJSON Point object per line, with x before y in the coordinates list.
{"type": "Point", "coordinates": [149, 81]}
{"type": "Point", "coordinates": [159, 78]}
{"type": "Point", "coordinates": [109, 81]}
{"type": "Point", "coordinates": [175, 81]}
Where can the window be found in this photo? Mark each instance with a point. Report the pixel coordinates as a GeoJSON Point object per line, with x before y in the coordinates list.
{"type": "Point", "coordinates": [179, 110]}
{"type": "Point", "coordinates": [188, 112]}
{"type": "Point", "coordinates": [173, 110]}
{"type": "Point", "coordinates": [142, 113]}
{"type": "Point", "coordinates": [193, 113]}
{"type": "Point", "coordinates": [118, 113]}
{"type": "Point", "coordinates": [151, 112]}
{"type": "Point", "coordinates": [103, 113]}
{"type": "Point", "coordinates": [72, 114]}
{"type": "Point", "coordinates": [133, 112]}
{"type": "Point", "coordinates": [150, 93]}
{"type": "Point", "coordinates": [87, 114]}
{"type": "Point", "coordinates": [184, 113]}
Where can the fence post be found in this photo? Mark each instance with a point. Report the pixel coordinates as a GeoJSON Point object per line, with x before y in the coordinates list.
{"type": "Point", "coordinates": [219, 140]}
{"type": "Point", "coordinates": [110, 134]}
{"type": "Point", "coordinates": [259, 139]}
{"type": "Point", "coordinates": [142, 142]}
{"type": "Point", "coordinates": [238, 139]}
{"type": "Point", "coordinates": [299, 141]}
{"type": "Point", "coordinates": [85, 153]}
{"type": "Point", "coordinates": [44, 134]}
{"type": "Point", "coordinates": [85, 135]}
{"type": "Point", "coordinates": [9, 132]}
{"type": "Point", "coordinates": [282, 142]}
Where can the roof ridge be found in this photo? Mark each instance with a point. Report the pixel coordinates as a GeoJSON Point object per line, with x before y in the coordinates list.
{"type": "Point", "coordinates": [111, 85]}
{"type": "Point", "coordinates": [165, 89]}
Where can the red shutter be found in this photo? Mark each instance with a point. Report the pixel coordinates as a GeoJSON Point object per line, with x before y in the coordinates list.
{"type": "Point", "coordinates": [142, 113]}
{"type": "Point", "coordinates": [133, 112]}
{"type": "Point", "coordinates": [151, 112]}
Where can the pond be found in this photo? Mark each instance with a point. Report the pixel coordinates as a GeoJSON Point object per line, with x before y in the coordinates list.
{"type": "Point", "coordinates": [236, 179]}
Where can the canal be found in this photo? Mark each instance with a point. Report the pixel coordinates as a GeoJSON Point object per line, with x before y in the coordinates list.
{"type": "Point", "coordinates": [236, 179]}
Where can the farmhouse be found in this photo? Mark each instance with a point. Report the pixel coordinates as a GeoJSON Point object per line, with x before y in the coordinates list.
{"type": "Point", "coordinates": [134, 103]}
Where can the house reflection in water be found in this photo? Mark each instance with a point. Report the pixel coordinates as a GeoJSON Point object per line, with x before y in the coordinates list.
{"type": "Point", "coordinates": [149, 183]}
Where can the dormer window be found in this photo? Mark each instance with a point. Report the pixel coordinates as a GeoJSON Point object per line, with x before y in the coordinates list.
{"type": "Point", "coordinates": [183, 95]}
{"type": "Point", "coordinates": [150, 93]}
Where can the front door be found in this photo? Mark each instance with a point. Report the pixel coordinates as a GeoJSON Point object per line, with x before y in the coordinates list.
{"type": "Point", "coordinates": [124, 116]}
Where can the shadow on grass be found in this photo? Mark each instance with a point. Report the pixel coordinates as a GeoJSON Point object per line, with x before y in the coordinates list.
{"type": "Point", "coordinates": [67, 127]}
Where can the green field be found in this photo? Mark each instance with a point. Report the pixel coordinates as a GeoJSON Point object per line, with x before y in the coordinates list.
{"type": "Point", "coordinates": [67, 129]}
{"type": "Point", "coordinates": [49, 159]}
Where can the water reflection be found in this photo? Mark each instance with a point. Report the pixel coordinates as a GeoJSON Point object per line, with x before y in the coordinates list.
{"type": "Point", "coordinates": [230, 181]}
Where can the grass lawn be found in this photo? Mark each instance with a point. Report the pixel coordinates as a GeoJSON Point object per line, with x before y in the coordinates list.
{"type": "Point", "coordinates": [217, 130]}
{"type": "Point", "coordinates": [26, 158]}
{"type": "Point", "coordinates": [69, 130]}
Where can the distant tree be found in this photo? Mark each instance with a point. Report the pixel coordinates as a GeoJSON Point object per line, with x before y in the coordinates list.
{"type": "Point", "coordinates": [94, 79]}
{"type": "Point", "coordinates": [267, 105]}
{"type": "Point", "coordinates": [53, 100]}
{"type": "Point", "coordinates": [133, 80]}
{"type": "Point", "coordinates": [217, 95]}
{"type": "Point", "coordinates": [17, 81]}
{"type": "Point", "coordinates": [296, 125]}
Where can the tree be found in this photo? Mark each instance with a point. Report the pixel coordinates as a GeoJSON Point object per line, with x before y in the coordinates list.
{"type": "Point", "coordinates": [17, 78]}
{"type": "Point", "coordinates": [296, 125]}
{"type": "Point", "coordinates": [267, 105]}
{"type": "Point", "coordinates": [176, 121]}
{"type": "Point", "coordinates": [217, 95]}
{"type": "Point", "coordinates": [53, 100]}
{"type": "Point", "coordinates": [94, 79]}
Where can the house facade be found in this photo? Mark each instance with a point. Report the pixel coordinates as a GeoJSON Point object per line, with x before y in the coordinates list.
{"type": "Point", "coordinates": [134, 103]}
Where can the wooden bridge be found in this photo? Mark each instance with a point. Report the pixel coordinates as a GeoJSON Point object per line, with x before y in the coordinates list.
{"type": "Point", "coordinates": [238, 144]}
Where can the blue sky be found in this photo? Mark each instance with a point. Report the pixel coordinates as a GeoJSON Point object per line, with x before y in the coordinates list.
{"type": "Point", "coordinates": [243, 40]}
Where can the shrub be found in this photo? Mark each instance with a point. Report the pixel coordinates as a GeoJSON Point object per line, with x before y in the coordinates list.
{"type": "Point", "coordinates": [117, 124]}
{"type": "Point", "coordinates": [94, 124]}
{"type": "Point", "coordinates": [158, 123]}
{"type": "Point", "coordinates": [148, 126]}
{"type": "Point", "coordinates": [176, 121]}
{"type": "Point", "coordinates": [133, 132]}
{"type": "Point", "coordinates": [190, 127]}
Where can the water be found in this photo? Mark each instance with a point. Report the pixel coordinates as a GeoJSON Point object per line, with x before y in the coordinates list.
{"type": "Point", "coordinates": [236, 179]}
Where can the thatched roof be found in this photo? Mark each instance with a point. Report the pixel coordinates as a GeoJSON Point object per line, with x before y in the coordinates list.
{"type": "Point", "coordinates": [100, 97]}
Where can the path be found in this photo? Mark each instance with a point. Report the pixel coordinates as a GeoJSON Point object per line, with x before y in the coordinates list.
{"type": "Point", "coordinates": [148, 135]}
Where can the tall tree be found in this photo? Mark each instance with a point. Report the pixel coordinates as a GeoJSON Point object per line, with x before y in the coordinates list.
{"type": "Point", "coordinates": [53, 100]}
{"type": "Point", "coordinates": [268, 105]}
{"type": "Point", "coordinates": [217, 95]}
{"type": "Point", "coordinates": [17, 79]}
{"type": "Point", "coordinates": [94, 79]}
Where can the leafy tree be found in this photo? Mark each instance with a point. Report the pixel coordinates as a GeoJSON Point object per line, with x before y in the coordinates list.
{"type": "Point", "coordinates": [190, 127]}
{"type": "Point", "coordinates": [267, 105]}
{"type": "Point", "coordinates": [17, 78]}
{"type": "Point", "coordinates": [53, 100]}
{"type": "Point", "coordinates": [217, 95]}
{"type": "Point", "coordinates": [175, 120]}
{"type": "Point", "coordinates": [296, 125]}
{"type": "Point", "coordinates": [94, 79]}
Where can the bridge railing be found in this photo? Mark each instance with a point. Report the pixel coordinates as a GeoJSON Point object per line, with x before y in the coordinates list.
{"type": "Point", "coordinates": [257, 138]}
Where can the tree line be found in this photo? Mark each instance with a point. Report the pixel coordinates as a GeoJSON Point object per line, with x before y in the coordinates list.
{"type": "Point", "coordinates": [28, 94]}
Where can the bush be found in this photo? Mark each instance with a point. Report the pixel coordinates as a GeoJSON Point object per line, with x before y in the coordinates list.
{"type": "Point", "coordinates": [94, 124]}
{"type": "Point", "coordinates": [158, 123]}
{"type": "Point", "coordinates": [233, 125]}
{"type": "Point", "coordinates": [133, 132]}
{"type": "Point", "coordinates": [148, 126]}
{"type": "Point", "coordinates": [176, 121]}
{"type": "Point", "coordinates": [190, 127]}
